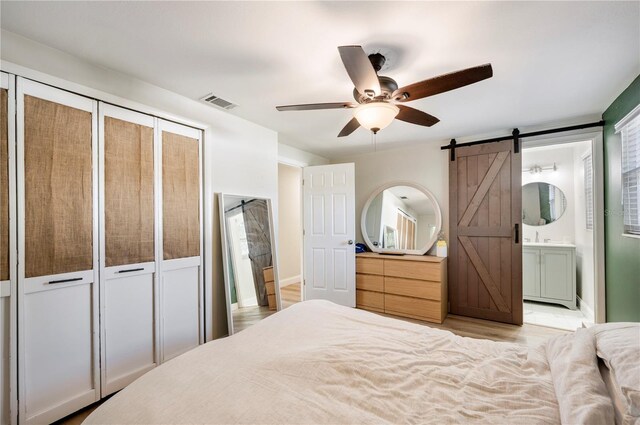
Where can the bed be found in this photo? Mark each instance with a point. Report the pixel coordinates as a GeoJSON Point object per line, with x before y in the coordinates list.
{"type": "Point", "coordinates": [317, 362]}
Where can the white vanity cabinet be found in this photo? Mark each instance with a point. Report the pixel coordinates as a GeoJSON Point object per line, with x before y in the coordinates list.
{"type": "Point", "coordinates": [549, 273]}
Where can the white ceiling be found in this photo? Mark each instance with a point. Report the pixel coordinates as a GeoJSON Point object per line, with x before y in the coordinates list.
{"type": "Point", "coordinates": [552, 61]}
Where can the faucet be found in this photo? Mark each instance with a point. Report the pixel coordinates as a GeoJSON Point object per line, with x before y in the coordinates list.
{"type": "Point", "coordinates": [537, 237]}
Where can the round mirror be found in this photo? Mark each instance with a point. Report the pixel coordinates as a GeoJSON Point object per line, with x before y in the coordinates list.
{"type": "Point", "coordinates": [401, 217]}
{"type": "Point", "coordinates": [542, 203]}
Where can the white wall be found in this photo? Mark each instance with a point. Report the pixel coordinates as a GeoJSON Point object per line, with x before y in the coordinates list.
{"type": "Point", "coordinates": [239, 157]}
{"type": "Point", "coordinates": [563, 228]}
{"type": "Point", "coordinates": [584, 238]}
{"type": "Point", "coordinates": [426, 164]}
{"type": "Point", "coordinates": [294, 156]}
{"type": "Point", "coordinates": [289, 223]}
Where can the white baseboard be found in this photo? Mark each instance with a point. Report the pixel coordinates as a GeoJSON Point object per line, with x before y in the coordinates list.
{"type": "Point", "coordinates": [290, 281]}
{"type": "Point", "coordinates": [586, 310]}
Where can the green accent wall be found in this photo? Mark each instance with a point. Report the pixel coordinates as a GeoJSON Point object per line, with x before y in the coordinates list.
{"type": "Point", "coordinates": [622, 254]}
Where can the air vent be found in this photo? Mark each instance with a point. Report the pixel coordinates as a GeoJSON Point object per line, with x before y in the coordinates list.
{"type": "Point", "coordinates": [214, 100]}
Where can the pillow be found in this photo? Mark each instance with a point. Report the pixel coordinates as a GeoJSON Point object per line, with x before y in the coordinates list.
{"type": "Point", "coordinates": [618, 345]}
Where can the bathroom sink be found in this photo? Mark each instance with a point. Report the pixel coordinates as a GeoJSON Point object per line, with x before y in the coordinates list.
{"type": "Point", "coordinates": [549, 244]}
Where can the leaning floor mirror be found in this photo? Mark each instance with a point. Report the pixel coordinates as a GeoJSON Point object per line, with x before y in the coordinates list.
{"type": "Point", "coordinates": [249, 260]}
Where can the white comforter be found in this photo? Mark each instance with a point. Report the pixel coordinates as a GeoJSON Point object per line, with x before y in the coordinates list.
{"type": "Point", "coordinates": [317, 362]}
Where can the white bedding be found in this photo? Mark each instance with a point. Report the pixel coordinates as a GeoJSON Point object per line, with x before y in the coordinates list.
{"type": "Point", "coordinates": [317, 362]}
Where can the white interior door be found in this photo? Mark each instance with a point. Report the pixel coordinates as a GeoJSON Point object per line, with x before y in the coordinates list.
{"type": "Point", "coordinates": [8, 253]}
{"type": "Point", "coordinates": [58, 364]}
{"type": "Point", "coordinates": [128, 278]}
{"type": "Point", "coordinates": [329, 233]}
{"type": "Point", "coordinates": [180, 207]}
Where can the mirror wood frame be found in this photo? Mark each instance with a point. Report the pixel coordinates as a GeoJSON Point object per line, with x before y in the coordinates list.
{"type": "Point", "coordinates": [379, 190]}
{"type": "Point", "coordinates": [226, 259]}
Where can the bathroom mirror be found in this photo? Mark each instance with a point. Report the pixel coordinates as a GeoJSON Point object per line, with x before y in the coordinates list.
{"type": "Point", "coordinates": [542, 203]}
{"type": "Point", "coordinates": [401, 217]}
{"type": "Point", "coordinates": [249, 260]}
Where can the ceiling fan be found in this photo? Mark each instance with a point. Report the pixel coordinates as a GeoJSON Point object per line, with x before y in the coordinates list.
{"type": "Point", "coordinates": [379, 100]}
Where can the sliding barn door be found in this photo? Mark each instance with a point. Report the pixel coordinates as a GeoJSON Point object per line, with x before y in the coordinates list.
{"type": "Point", "coordinates": [8, 264]}
{"type": "Point", "coordinates": [181, 290]}
{"type": "Point", "coordinates": [58, 252]}
{"type": "Point", "coordinates": [485, 263]}
{"type": "Point", "coordinates": [128, 283]}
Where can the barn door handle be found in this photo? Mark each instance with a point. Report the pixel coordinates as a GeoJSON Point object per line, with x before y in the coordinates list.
{"type": "Point", "coordinates": [131, 270]}
{"type": "Point", "coordinates": [517, 234]}
{"type": "Point", "coordinates": [53, 282]}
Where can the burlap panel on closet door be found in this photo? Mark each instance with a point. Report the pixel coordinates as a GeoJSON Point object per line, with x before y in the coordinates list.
{"type": "Point", "coordinates": [180, 196]}
{"type": "Point", "coordinates": [128, 192]}
{"type": "Point", "coordinates": [4, 186]}
{"type": "Point", "coordinates": [58, 188]}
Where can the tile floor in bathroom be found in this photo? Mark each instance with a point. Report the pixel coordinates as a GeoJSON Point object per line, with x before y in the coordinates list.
{"type": "Point", "coordinates": [553, 315]}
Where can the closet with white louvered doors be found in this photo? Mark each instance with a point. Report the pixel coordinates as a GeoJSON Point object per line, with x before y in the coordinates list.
{"type": "Point", "coordinates": [108, 214]}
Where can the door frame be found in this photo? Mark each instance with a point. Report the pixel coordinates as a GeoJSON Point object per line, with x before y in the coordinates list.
{"type": "Point", "coordinates": [597, 150]}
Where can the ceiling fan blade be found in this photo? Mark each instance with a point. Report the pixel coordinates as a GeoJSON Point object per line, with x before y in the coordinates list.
{"type": "Point", "coordinates": [314, 106]}
{"type": "Point", "coordinates": [415, 116]}
{"type": "Point", "coordinates": [443, 83]}
{"type": "Point", "coordinates": [349, 128]}
{"type": "Point", "coordinates": [360, 70]}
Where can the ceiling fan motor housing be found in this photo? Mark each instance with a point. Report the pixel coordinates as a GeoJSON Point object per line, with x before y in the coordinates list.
{"type": "Point", "coordinates": [387, 86]}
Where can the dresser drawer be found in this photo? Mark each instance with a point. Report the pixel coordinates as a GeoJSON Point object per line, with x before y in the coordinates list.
{"type": "Point", "coordinates": [370, 282]}
{"type": "Point", "coordinates": [369, 266]}
{"type": "Point", "coordinates": [413, 269]}
{"type": "Point", "coordinates": [416, 308]}
{"type": "Point", "coordinates": [370, 300]}
{"type": "Point", "coordinates": [413, 288]}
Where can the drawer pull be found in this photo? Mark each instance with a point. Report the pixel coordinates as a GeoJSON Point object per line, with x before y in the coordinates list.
{"type": "Point", "coordinates": [74, 279]}
{"type": "Point", "coordinates": [131, 270]}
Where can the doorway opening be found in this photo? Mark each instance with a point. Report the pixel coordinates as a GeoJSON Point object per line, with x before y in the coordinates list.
{"type": "Point", "coordinates": [290, 233]}
{"type": "Point", "coordinates": [559, 256]}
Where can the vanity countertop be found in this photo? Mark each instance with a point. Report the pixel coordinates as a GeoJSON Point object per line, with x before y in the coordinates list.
{"type": "Point", "coordinates": [549, 244]}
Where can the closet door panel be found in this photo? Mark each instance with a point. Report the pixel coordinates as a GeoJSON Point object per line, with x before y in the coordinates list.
{"type": "Point", "coordinates": [58, 264]}
{"type": "Point", "coordinates": [58, 188]}
{"type": "Point", "coordinates": [181, 195]}
{"type": "Point", "coordinates": [128, 287]}
{"type": "Point", "coordinates": [4, 360]}
{"type": "Point", "coordinates": [181, 283]}
{"type": "Point", "coordinates": [180, 309]}
{"type": "Point", "coordinates": [57, 351]}
{"type": "Point", "coordinates": [7, 251]}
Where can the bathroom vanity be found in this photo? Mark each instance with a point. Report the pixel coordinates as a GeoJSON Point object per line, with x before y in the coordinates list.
{"type": "Point", "coordinates": [549, 273]}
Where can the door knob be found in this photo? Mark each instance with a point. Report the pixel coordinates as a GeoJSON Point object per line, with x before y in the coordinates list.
{"type": "Point", "coordinates": [350, 242]}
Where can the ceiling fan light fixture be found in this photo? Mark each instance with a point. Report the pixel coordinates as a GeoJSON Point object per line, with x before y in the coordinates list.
{"type": "Point", "coordinates": [375, 116]}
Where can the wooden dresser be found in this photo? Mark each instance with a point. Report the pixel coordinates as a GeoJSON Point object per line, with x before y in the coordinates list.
{"type": "Point", "coordinates": [412, 286]}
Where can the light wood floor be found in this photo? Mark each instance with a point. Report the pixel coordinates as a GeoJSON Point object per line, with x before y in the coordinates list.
{"type": "Point", "coordinates": [247, 316]}
{"type": "Point", "coordinates": [529, 335]}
